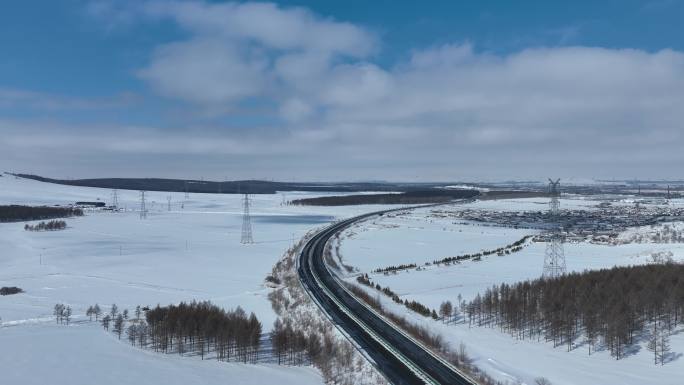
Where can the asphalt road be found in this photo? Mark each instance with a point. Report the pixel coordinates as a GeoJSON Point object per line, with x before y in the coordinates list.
{"type": "Point", "coordinates": [400, 358]}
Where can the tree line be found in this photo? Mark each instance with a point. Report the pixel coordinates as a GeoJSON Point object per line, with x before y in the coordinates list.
{"type": "Point", "coordinates": [46, 226]}
{"type": "Point", "coordinates": [17, 213]}
{"type": "Point", "coordinates": [614, 308]}
{"type": "Point", "coordinates": [411, 305]}
{"type": "Point", "coordinates": [406, 198]}
{"type": "Point", "coordinates": [501, 251]}
{"type": "Point", "coordinates": [504, 250]}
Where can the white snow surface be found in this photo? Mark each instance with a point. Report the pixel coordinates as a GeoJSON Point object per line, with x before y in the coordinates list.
{"type": "Point", "coordinates": [416, 237]}
{"type": "Point", "coordinates": [84, 354]}
{"type": "Point", "coordinates": [190, 253]}
{"type": "Point", "coordinates": [411, 238]}
{"type": "Point", "coordinates": [194, 253]}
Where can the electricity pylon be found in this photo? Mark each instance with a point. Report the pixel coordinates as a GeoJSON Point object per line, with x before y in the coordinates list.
{"type": "Point", "coordinates": [115, 199]}
{"type": "Point", "coordinates": [246, 222]}
{"type": "Point", "coordinates": [143, 209]}
{"type": "Point", "coordinates": [554, 256]}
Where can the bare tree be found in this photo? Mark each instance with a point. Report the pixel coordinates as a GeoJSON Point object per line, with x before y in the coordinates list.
{"type": "Point", "coordinates": [105, 321]}
{"type": "Point", "coordinates": [118, 325]}
{"type": "Point", "coordinates": [58, 312]}
{"type": "Point", "coordinates": [67, 314]}
{"type": "Point", "coordinates": [445, 310]}
{"type": "Point", "coordinates": [132, 333]}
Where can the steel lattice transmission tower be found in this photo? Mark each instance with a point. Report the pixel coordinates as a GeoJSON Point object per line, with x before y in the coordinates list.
{"type": "Point", "coordinates": [115, 199]}
{"type": "Point", "coordinates": [554, 257]}
{"type": "Point", "coordinates": [246, 222]}
{"type": "Point", "coordinates": [143, 209]}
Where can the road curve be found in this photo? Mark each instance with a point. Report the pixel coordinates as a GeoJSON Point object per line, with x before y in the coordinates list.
{"type": "Point", "coordinates": [402, 359]}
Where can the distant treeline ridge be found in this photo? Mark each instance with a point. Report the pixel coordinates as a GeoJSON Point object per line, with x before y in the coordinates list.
{"type": "Point", "coordinates": [407, 198]}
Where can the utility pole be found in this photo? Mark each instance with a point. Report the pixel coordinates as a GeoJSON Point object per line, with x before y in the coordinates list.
{"type": "Point", "coordinates": [168, 201]}
{"type": "Point", "coordinates": [246, 222]}
{"type": "Point", "coordinates": [187, 193]}
{"type": "Point", "coordinates": [143, 209]}
{"type": "Point", "coordinates": [554, 256]}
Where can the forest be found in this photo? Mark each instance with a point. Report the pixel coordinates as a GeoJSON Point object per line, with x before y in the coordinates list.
{"type": "Point", "coordinates": [17, 213]}
{"type": "Point", "coordinates": [605, 309]}
{"type": "Point", "coordinates": [201, 328]}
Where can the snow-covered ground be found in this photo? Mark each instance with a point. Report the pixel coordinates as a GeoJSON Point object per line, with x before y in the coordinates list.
{"type": "Point", "coordinates": [42, 354]}
{"type": "Point", "coordinates": [187, 253]}
{"type": "Point", "coordinates": [194, 252]}
{"type": "Point", "coordinates": [412, 237]}
{"type": "Point", "coordinates": [417, 238]}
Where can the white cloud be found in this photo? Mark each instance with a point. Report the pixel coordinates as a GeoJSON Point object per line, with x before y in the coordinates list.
{"type": "Point", "coordinates": [206, 71]}
{"type": "Point", "coordinates": [267, 24]}
{"type": "Point", "coordinates": [240, 50]}
{"type": "Point", "coordinates": [444, 112]}
{"type": "Point", "coordinates": [295, 110]}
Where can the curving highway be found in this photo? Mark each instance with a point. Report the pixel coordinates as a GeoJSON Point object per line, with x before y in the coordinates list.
{"type": "Point", "coordinates": [401, 359]}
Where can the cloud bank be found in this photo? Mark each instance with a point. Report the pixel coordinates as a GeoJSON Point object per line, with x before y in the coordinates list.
{"type": "Point", "coordinates": [443, 112]}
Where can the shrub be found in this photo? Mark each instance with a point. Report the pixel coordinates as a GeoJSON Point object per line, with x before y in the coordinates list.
{"type": "Point", "coordinates": [46, 226]}
{"type": "Point", "coordinates": [10, 290]}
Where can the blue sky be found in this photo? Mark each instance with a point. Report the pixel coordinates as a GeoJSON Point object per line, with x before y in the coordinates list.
{"type": "Point", "coordinates": [327, 90]}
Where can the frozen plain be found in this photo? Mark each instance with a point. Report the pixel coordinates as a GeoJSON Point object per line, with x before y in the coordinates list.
{"type": "Point", "coordinates": [194, 253]}
{"type": "Point", "coordinates": [404, 239]}
{"type": "Point", "coordinates": [187, 253]}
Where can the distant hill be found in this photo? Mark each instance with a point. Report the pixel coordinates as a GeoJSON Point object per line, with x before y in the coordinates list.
{"type": "Point", "coordinates": [230, 187]}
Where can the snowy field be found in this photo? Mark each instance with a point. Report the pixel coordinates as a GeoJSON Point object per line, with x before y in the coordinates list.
{"type": "Point", "coordinates": [193, 252]}
{"type": "Point", "coordinates": [41, 354]}
{"type": "Point", "coordinates": [187, 253]}
{"type": "Point", "coordinates": [418, 237]}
